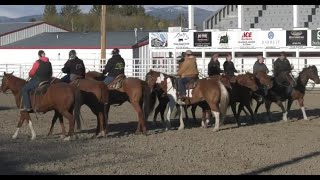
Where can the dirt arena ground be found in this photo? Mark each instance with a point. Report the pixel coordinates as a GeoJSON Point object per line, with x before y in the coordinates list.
{"type": "Point", "coordinates": [278, 147]}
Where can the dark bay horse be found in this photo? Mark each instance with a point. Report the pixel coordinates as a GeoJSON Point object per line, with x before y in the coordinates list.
{"type": "Point", "coordinates": [133, 90]}
{"type": "Point", "coordinates": [209, 90]}
{"type": "Point", "coordinates": [278, 94]}
{"type": "Point", "coordinates": [63, 98]}
{"type": "Point", "coordinates": [95, 95]}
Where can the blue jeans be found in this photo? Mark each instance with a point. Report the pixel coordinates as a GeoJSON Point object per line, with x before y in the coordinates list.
{"type": "Point", "coordinates": [66, 78]}
{"type": "Point", "coordinates": [108, 80]}
{"type": "Point", "coordinates": [182, 85]}
{"type": "Point", "coordinates": [32, 84]}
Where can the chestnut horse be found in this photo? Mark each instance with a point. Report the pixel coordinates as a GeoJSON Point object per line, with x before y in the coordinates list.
{"type": "Point", "coordinates": [209, 90]}
{"type": "Point", "coordinates": [63, 98]}
{"type": "Point", "coordinates": [95, 95]}
{"type": "Point", "coordinates": [277, 92]}
{"type": "Point", "coordinates": [132, 90]}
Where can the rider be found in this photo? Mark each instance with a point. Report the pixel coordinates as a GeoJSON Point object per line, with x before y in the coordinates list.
{"type": "Point", "coordinates": [214, 65]}
{"type": "Point", "coordinates": [228, 66]}
{"type": "Point", "coordinates": [41, 71]}
{"type": "Point", "coordinates": [187, 71]}
{"type": "Point", "coordinates": [282, 64]}
{"type": "Point", "coordinates": [260, 66]}
{"type": "Point", "coordinates": [74, 68]}
{"type": "Point", "coordinates": [115, 66]}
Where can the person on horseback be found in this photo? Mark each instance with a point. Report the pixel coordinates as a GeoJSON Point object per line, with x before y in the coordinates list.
{"type": "Point", "coordinates": [228, 66]}
{"type": "Point", "coordinates": [259, 65]}
{"type": "Point", "coordinates": [41, 71]}
{"type": "Point", "coordinates": [214, 65]}
{"type": "Point", "coordinates": [74, 68]}
{"type": "Point", "coordinates": [281, 65]}
{"type": "Point", "coordinates": [187, 71]}
{"type": "Point", "coordinates": [114, 67]}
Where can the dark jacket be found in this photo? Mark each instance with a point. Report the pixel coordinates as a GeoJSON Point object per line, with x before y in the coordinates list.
{"type": "Point", "coordinates": [74, 66]}
{"type": "Point", "coordinates": [257, 67]}
{"type": "Point", "coordinates": [214, 68]}
{"type": "Point", "coordinates": [115, 66]}
{"type": "Point", "coordinates": [41, 69]}
{"type": "Point", "coordinates": [280, 66]}
{"type": "Point", "coordinates": [228, 68]}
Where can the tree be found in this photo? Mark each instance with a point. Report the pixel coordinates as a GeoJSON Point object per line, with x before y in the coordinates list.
{"type": "Point", "coordinates": [70, 10]}
{"type": "Point", "coordinates": [96, 10]}
{"type": "Point", "coordinates": [49, 12]}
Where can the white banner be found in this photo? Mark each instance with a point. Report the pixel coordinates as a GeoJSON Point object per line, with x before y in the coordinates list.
{"type": "Point", "coordinates": [224, 39]}
{"type": "Point", "coordinates": [271, 39]}
{"type": "Point", "coordinates": [180, 40]}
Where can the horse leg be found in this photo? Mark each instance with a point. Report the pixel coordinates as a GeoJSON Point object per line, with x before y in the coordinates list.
{"type": "Point", "coordinates": [233, 108]}
{"type": "Point", "coordinates": [70, 117]}
{"type": "Point", "coordinates": [33, 133]}
{"type": "Point", "coordinates": [156, 111]}
{"type": "Point", "coordinates": [193, 111]}
{"type": "Point", "coordinates": [101, 132]}
{"type": "Point", "coordinates": [267, 104]}
{"type": "Point", "coordinates": [22, 118]}
{"type": "Point", "coordinates": [141, 123]}
{"type": "Point", "coordinates": [172, 105]}
{"type": "Point", "coordinates": [181, 119]}
{"type": "Point", "coordinates": [300, 100]}
{"type": "Point", "coordinates": [284, 112]}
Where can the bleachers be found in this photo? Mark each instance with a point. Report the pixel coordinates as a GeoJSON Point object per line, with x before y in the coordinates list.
{"type": "Point", "coordinates": [265, 17]}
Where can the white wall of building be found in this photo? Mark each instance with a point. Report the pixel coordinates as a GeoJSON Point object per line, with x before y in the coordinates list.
{"type": "Point", "coordinates": [22, 59]}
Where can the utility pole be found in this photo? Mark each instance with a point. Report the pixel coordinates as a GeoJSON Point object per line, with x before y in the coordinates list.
{"type": "Point", "coordinates": [103, 36]}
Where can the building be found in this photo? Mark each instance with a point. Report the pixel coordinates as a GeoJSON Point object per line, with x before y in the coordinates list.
{"type": "Point", "coordinates": [13, 32]}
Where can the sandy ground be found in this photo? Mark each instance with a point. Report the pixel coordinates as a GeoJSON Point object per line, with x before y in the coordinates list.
{"type": "Point", "coordinates": [264, 148]}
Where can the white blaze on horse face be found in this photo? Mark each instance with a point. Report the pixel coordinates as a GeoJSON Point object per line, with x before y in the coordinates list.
{"type": "Point", "coordinates": [160, 78]}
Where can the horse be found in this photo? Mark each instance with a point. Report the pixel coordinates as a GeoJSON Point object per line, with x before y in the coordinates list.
{"type": "Point", "coordinates": [209, 90]}
{"type": "Point", "coordinates": [95, 95]}
{"type": "Point", "coordinates": [133, 90]}
{"type": "Point", "coordinates": [245, 95]}
{"type": "Point", "coordinates": [277, 92]}
{"type": "Point", "coordinates": [63, 98]}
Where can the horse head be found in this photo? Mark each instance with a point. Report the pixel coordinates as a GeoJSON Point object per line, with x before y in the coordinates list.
{"type": "Point", "coordinates": [312, 73]}
{"type": "Point", "coordinates": [264, 79]}
{"type": "Point", "coordinates": [247, 80]}
{"type": "Point", "coordinates": [152, 78]}
{"type": "Point", "coordinates": [5, 81]}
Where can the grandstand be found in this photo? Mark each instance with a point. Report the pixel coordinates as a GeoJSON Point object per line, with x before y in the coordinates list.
{"type": "Point", "coordinates": [264, 17]}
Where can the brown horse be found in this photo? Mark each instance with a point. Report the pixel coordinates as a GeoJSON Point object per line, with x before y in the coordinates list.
{"type": "Point", "coordinates": [132, 90]}
{"type": "Point", "coordinates": [278, 94]}
{"type": "Point", "coordinates": [209, 90]}
{"type": "Point", "coordinates": [60, 97]}
{"type": "Point", "coordinates": [95, 95]}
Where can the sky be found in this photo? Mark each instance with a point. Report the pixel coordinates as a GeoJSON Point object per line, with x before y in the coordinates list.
{"type": "Point", "coordinates": [15, 11]}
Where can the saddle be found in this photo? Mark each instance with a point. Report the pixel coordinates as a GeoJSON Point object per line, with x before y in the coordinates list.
{"type": "Point", "coordinates": [117, 82]}
{"type": "Point", "coordinates": [41, 89]}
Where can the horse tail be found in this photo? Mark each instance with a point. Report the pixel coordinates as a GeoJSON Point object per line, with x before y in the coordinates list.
{"type": "Point", "coordinates": [149, 100]}
{"type": "Point", "coordinates": [77, 106]}
{"type": "Point", "coordinates": [224, 101]}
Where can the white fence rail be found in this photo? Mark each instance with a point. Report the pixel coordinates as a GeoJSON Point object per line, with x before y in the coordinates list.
{"type": "Point", "coordinates": [139, 67]}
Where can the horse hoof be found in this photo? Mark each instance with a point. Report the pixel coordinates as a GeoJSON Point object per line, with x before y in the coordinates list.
{"type": "Point", "coordinates": [67, 138]}
{"type": "Point", "coordinates": [215, 130]}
